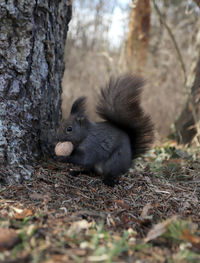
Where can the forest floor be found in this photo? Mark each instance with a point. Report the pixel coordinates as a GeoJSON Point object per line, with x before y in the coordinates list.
{"type": "Point", "coordinates": [153, 215]}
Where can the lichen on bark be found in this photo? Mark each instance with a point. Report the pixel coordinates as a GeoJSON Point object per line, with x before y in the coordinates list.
{"type": "Point", "coordinates": [32, 39]}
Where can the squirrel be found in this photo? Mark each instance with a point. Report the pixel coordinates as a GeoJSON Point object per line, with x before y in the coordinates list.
{"type": "Point", "coordinates": [108, 147]}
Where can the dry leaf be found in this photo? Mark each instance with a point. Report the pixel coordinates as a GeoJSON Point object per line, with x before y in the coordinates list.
{"type": "Point", "coordinates": [159, 229]}
{"type": "Point", "coordinates": [101, 258]}
{"type": "Point", "coordinates": [126, 220]}
{"type": "Point", "coordinates": [24, 213]}
{"type": "Point", "coordinates": [36, 196]}
{"type": "Point", "coordinates": [189, 237]}
{"type": "Point", "coordinates": [8, 238]}
{"type": "Point", "coordinates": [145, 210]}
{"type": "Point", "coordinates": [77, 226]}
{"type": "Point", "coordinates": [58, 259]}
{"type": "Point", "coordinates": [17, 210]}
{"type": "Point", "coordinates": [122, 204]}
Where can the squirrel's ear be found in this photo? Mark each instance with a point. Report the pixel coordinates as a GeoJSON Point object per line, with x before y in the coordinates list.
{"type": "Point", "coordinates": [79, 106]}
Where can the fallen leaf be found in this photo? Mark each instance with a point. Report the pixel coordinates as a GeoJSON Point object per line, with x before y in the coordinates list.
{"type": "Point", "coordinates": [36, 196]}
{"type": "Point", "coordinates": [126, 220]}
{"type": "Point", "coordinates": [191, 238]}
{"type": "Point", "coordinates": [145, 210]}
{"type": "Point", "coordinates": [77, 226]}
{"type": "Point", "coordinates": [23, 214]}
{"type": "Point", "coordinates": [8, 238]}
{"type": "Point", "coordinates": [17, 210]}
{"type": "Point", "coordinates": [122, 204]}
{"type": "Point", "coordinates": [159, 229]}
{"type": "Point", "coordinates": [58, 259]}
{"type": "Point", "coordinates": [98, 258]}
{"type": "Point", "coordinates": [110, 221]}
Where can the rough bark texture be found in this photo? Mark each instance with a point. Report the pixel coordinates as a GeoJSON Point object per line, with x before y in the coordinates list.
{"type": "Point", "coordinates": [138, 35]}
{"type": "Point", "coordinates": [32, 39]}
{"type": "Point", "coordinates": [187, 124]}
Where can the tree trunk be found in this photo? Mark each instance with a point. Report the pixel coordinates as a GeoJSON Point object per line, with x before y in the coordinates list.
{"type": "Point", "coordinates": [197, 2]}
{"type": "Point", "coordinates": [187, 124]}
{"type": "Point", "coordinates": [138, 35]}
{"type": "Point", "coordinates": [32, 39]}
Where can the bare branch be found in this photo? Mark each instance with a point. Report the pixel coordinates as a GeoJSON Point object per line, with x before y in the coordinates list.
{"type": "Point", "coordinates": [173, 39]}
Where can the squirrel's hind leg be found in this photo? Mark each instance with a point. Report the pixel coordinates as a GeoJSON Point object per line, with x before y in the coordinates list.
{"type": "Point", "coordinates": [115, 166]}
{"type": "Point", "coordinates": [109, 178]}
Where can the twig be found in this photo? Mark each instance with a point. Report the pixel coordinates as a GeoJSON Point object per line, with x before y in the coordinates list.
{"type": "Point", "coordinates": [172, 38]}
{"type": "Point", "coordinates": [77, 214]}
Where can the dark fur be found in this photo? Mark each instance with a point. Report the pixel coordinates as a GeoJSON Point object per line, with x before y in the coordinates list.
{"type": "Point", "coordinates": [108, 147]}
{"type": "Point", "coordinates": [79, 106]}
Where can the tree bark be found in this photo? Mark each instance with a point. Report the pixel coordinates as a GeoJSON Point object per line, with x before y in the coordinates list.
{"type": "Point", "coordinates": [138, 35]}
{"type": "Point", "coordinates": [187, 124]}
{"type": "Point", "coordinates": [32, 39]}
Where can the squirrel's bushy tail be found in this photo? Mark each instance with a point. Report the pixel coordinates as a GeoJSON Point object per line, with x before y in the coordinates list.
{"type": "Point", "coordinates": [119, 104]}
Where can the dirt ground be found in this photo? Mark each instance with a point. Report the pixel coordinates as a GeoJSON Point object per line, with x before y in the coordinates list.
{"type": "Point", "coordinates": [153, 215]}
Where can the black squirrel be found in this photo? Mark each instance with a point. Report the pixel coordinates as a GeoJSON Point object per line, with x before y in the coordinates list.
{"type": "Point", "coordinates": [108, 147]}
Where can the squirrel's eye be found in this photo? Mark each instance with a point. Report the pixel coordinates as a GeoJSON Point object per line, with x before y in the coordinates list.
{"type": "Point", "coordinates": [69, 128]}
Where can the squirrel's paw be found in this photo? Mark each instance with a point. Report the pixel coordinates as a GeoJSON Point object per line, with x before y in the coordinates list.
{"type": "Point", "coordinates": [111, 181]}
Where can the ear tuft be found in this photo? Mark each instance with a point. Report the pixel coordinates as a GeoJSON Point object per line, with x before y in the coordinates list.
{"type": "Point", "coordinates": [79, 106]}
{"type": "Point", "coordinates": [80, 119]}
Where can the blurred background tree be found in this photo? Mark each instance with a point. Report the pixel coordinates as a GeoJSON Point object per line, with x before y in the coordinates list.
{"type": "Point", "coordinates": [188, 123]}
{"type": "Point", "coordinates": [100, 32]}
{"type": "Point", "coordinates": [138, 35]}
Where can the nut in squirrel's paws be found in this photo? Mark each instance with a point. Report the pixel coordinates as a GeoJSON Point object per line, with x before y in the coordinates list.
{"type": "Point", "coordinates": [63, 148]}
